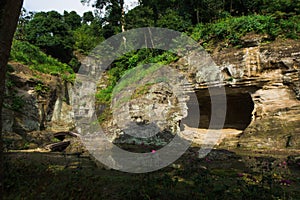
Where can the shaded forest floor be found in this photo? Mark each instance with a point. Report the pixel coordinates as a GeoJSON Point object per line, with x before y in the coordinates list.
{"type": "Point", "coordinates": [220, 175]}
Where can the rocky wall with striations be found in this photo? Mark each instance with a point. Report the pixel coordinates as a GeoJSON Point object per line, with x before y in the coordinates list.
{"type": "Point", "coordinates": [274, 69]}
{"type": "Point", "coordinates": [36, 105]}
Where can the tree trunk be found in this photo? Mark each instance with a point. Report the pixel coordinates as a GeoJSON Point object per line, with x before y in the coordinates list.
{"type": "Point", "coordinates": [122, 15]}
{"type": "Point", "coordinates": [123, 20]}
{"type": "Point", "coordinates": [9, 15]}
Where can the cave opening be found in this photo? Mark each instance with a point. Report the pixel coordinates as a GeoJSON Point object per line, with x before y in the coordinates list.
{"type": "Point", "coordinates": [238, 112]}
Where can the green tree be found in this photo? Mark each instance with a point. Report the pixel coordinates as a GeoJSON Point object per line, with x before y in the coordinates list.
{"type": "Point", "coordinates": [24, 19]}
{"type": "Point", "coordinates": [88, 17]}
{"type": "Point", "coordinates": [72, 19]}
{"type": "Point", "coordinates": [88, 37]}
{"type": "Point", "coordinates": [158, 7]}
{"type": "Point", "coordinates": [114, 15]}
{"type": "Point", "coordinates": [140, 16]}
{"type": "Point", "coordinates": [173, 20]}
{"type": "Point", "coordinates": [49, 32]}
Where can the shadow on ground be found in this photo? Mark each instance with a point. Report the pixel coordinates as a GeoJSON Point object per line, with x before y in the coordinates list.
{"type": "Point", "coordinates": [220, 175]}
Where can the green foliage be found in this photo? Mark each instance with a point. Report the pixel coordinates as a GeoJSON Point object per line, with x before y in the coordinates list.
{"type": "Point", "coordinates": [24, 18]}
{"type": "Point", "coordinates": [233, 28]}
{"type": "Point", "coordinates": [122, 68]}
{"type": "Point", "coordinates": [172, 20]}
{"type": "Point", "coordinates": [52, 34]}
{"type": "Point", "coordinates": [88, 37]}
{"type": "Point", "coordinates": [113, 16]}
{"type": "Point", "coordinates": [104, 96]}
{"type": "Point", "coordinates": [41, 89]}
{"type": "Point", "coordinates": [208, 11]}
{"type": "Point", "coordinates": [72, 19]}
{"type": "Point", "coordinates": [140, 17]}
{"type": "Point", "coordinates": [290, 28]}
{"type": "Point", "coordinates": [286, 6]}
{"type": "Point", "coordinates": [88, 17]}
{"type": "Point", "coordinates": [31, 55]}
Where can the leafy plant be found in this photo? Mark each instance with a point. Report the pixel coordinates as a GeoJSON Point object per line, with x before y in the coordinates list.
{"type": "Point", "coordinates": [231, 29]}
{"type": "Point", "coordinates": [14, 102]}
{"type": "Point", "coordinates": [41, 89]}
{"type": "Point", "coordinates": [31, 55]}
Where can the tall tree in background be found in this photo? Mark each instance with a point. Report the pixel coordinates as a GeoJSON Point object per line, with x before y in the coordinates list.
{"type": "Point", "coordinates": [88, 17]}
{"type": "Point", "coordinates": [9, 15]}
{"type": "Point", "coordinates": [115, 14]}
{"type": "Point", "coordinates": [72, 19]}
{"type": "Point", "coordinates": [50, 32]}
{"type": "Point", "coordinates": [140, 16]}
{"type": "Point", "coordinates": [89, 34]}
{"type": "Point", "coordinates": [24, 19]}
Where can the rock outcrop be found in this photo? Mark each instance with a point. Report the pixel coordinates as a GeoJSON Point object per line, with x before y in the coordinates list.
{"type": "Point", "coordinates": [273, 69]}
{"type": "Point", "coordinates": [36, 106]}
{"type": "Point", "coordinates": [261, 80]}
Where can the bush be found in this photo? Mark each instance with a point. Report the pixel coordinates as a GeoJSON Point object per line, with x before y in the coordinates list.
{"type": "Point", "coordinates": [233, 28]}
{"type": "Point", "coordinates": [172, 20]}
{"type": "Point", "coordinates": [86, 38]}
{"type": "Point", "coordinates": [31, 55]}
{"type": "Point", "coordinates": [123, 66]}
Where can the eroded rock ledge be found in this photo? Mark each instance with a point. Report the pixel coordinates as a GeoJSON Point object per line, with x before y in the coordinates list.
{"type": "Point", "coordinates": [37, 105]}
{"type": "Point", "coordinates": [273, 69]}
{"type": "Point", "coordinates": [262, 89]}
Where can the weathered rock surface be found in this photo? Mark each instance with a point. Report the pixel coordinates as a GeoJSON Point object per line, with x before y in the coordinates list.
{"type": "Point", "coordinates": [263, 75]}
{"type": "Point", "coordinates": [261, 82]}
{"type": "Point", "coordinates": [36, 106]}
{"type": "Point", "coordinates": [154, 111]}
{"type": "Point", "coordinates": [274, 69]}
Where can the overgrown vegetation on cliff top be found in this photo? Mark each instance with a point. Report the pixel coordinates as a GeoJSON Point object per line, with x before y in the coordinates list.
{"type": "Point", "coordinates": [125, 64]}
{"type": "Point", "coordinates": [231, 29]}
{"type": "Point", "coordinates": [32, 56]}
{"type": "Point", "coordinates": [210, 22]}
{"type": "Point", "coordinates": [227, 30]}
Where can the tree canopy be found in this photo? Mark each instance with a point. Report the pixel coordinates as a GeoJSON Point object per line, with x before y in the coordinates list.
{"type": "Point", "coordinates": [51, 33]}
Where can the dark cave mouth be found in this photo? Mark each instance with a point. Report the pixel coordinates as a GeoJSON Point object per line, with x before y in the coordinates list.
{"type": "Point", "coordinates": [238, 112]}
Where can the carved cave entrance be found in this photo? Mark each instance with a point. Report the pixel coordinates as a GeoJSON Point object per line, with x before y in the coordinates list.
{"type": "Point", "coordinates": [239, 108]}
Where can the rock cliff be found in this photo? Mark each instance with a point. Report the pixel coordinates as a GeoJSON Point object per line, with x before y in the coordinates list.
{"type": "Point", "coordinates": [36, 106]}
{"type": "Point", "coordinates": [262, 85]}
{"type": "Point", "coordinates": [272, 71]}
{"type": "Point", "coordinates": [261, 80]}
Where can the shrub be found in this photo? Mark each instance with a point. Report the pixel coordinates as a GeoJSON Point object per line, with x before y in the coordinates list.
{"type": "Point", "coordinates": [233, 28]}
{"type": "Point", "coordinates": [31, 55]}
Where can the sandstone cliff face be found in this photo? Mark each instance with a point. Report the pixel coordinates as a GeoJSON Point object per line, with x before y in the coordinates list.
{"type": "Point", "coordinates": [261, 81]}
{"type": "Point", "coordinates": [262, 87]}
{"type": "Point", "coordinates": [273, 69]}
{"type": "Point", "coordinates": [36, 105]}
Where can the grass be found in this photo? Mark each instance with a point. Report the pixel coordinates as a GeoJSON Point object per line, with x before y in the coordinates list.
{"type": "Point", "coordinates": [130, 69]}
{"type": "Point", "coordinates": [32, 56]}
{"type": "Point", "coordinates": [127, 71]}
{"type": "Point", "coordinates": [52, 176]}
